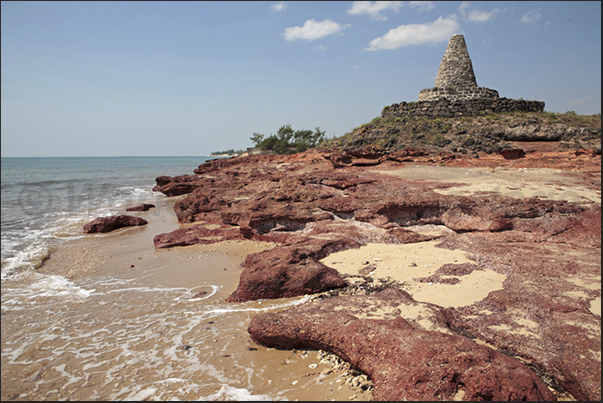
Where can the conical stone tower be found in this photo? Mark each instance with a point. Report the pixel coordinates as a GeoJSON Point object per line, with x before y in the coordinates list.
{"type": "Point", "coordinates": [456, 69]}
{"type": "Point", "coordinates": [456, 79]}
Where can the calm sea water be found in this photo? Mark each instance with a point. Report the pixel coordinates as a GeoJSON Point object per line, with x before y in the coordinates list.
{"type": "Point", "coordinates": [115, 336]}
{"type": "Point", "coordinates": [44, 200]}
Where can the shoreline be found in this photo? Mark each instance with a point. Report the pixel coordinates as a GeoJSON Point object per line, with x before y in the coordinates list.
{"type": "Point", "coordinates": [208, 271]}
{"type": "Point", "coordinates": [130, 250]}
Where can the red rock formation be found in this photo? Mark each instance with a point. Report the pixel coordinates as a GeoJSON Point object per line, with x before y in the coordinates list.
{"type": "Point", "coordinates": [404, 361]}
{"type": "Point", "coordinates": [141, 207]}
{"type": "Point", "coordinates": [513, 153]}
{"type": "Point", "coordinates": [546, 248]}
{"type": "Point", "coordinates": [111, 223]}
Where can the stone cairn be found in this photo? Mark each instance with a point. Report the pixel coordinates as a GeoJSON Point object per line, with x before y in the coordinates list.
{"type": "Point", "coordinates": [456, 92]}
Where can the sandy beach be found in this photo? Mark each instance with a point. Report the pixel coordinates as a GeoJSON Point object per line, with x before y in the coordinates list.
{"type": "Point", "coordinates": [206, 274]}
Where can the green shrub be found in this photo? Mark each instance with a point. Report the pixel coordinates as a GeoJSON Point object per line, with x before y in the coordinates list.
{"type": "Point", "coordinates": [288, 141]}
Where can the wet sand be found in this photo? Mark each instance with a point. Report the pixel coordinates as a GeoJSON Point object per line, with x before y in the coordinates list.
{"type": "Point", "coordinates": [208, 274]}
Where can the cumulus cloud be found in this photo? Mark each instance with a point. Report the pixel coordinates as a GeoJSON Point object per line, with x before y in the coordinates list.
{"type": "Point", "coordinates": [374, 8]}
{"type": "Point", "coordinates": [477, 15]}
{"type": "Point", "coordinates": [439, 30]}
{"type": "Point", "coordinates": [531, 17]}
{"type": "Point", "coordinates": [313, 30]}
{"type": "Point", "coordinates": [278, 6]}
{"type": "Point", "coordinates": [464, 5]}
{"type": "Point", "coordinates": [421, 5]}
{"type": "Point", "coordinates": [482, 16]}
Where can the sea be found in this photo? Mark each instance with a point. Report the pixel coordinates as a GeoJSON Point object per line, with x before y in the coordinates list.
{"type": "Point", "coordinates": [115, 337]}
{"type": "Point", "coordinates": [45, 199]}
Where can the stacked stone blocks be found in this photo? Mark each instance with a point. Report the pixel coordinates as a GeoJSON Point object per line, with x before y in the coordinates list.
{"type": "Point", "coordinates": [456, 92]}
{"type": "Point", "coordinates": [456, 69]}
{"type": "Point", "coordinates": [444, 108]}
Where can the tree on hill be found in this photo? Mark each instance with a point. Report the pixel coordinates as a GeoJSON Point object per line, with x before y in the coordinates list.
{"type": "Point", "coordinates": [288, 141]}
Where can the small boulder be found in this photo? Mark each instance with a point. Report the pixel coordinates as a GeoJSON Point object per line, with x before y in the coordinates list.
{"type": "Point", "coordinates": [110, 223]}
{"type": "Point", "coordinates": [513, 153]}
{"type": "Point", "coordinates": [141, 207]}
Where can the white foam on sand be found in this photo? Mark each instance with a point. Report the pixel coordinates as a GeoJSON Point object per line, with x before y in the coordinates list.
{"type": "Point", "coordinates": [229, 393]}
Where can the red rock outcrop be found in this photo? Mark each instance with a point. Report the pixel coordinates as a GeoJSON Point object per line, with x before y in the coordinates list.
{"type": "Point", "coordinates": [404, 361]}
{"type": "Point", "coordinates": [111, 223]}
{"type": "Point", "coordinates": [141, 207]}
{"type": "Point", "coordinates": [548, 249]}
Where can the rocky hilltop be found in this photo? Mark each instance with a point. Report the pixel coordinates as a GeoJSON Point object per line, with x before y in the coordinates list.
{"type": "Point", "coordinates": [457, 116]}
{"type": "Point", "coordinates": [468, 136]}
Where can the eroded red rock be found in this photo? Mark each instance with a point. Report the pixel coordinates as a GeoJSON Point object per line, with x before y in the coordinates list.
{"type": "Point", "coordinates": [404, 361]}
{"type": "Point", "coordinates": [111, 223]}
{"type": "Point", "coordinates": [141, 207]}
{"type": "Point", "coordinates": [513, 153]}
{"type": "Point", "coordinates": [548, 249]}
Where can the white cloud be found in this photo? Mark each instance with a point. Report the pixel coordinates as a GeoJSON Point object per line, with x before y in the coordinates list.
{"type": "Point", "coordinates": [421, 5]}
{"type": "Point", "coordinates": [463, 6]}
{"type": "Point", "coordinates": [482, 16]}
{"type": "Point", "coordinates": [313, 30]}
{"type": "Point", "coordinates": [531, 17]}
{"type": "Point", "coordinates": [374, 8]}
{"type": "Point", "coordinates": [416, 34]}
{"type": "Point", "coordinates": [278, 6]}
{"type": "Point", "coordinates": [320, 47]}
{"type": "Point", "coordinates": [477, 15]}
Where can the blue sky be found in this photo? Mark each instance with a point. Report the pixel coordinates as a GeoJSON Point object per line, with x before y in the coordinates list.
{"type": "Point", "coordinates": [190, 78]}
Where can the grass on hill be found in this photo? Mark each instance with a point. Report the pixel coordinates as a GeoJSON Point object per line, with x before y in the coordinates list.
{"type": "Point", "coordinates": [463, 134]}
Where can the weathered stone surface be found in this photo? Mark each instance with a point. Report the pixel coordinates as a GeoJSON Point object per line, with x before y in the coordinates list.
{"type": "Point", "coordinates": [512, 153]}
{"type": "Point", "coordinates": [545, 299]}
{"type": "Point", "coordinates": [548, 249]}
{"type": "Point", "coordinates": [264, 204]}
{"type": "Point", "coordinates": [444, 108]}
{"type": "Point", "coordinates": [196, 235]}
{"type": "Point", "coordinates": [174, 186]}
{"type": "Point", "coordinates": [289, 271]}
{"type": "Point", "coordinates": [111, 223]}
{"type": "Point", "coordinates": [456, 79]}
{"type": "Point", "coordinates": [141, 207]}
{"type": "Point", "coordinates": [371, 156]}
{"type": "Point", "coordinates": [456, 69]}
{"type": "Point", "coordinates": [405, 361]}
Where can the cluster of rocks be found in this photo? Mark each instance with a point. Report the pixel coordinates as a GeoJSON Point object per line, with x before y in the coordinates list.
{"type": "Point", "coordinates": [114, 222]}
{"type": "Point", "coordinates": [311, 205]}
{"type": "Point", "coordinates": [535, 339]}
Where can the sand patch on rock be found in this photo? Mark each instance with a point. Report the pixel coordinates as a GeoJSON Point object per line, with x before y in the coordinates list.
{"type": "Point", "coordinates": [595, 306]}
{"type": "Point", "coordinates": [407, 262]}
{"type": "Point", "coordinates": [523, 190]}
{"type": "Point", "coordinates": [546, 183]}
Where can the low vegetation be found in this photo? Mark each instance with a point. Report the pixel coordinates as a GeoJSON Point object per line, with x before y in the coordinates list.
{"type": "Point", "coordinates": [230, 152]}
{"type": "Point", "coordinates": [289, 141]}
{"type": "Point", "coordinates": [465, 135]}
